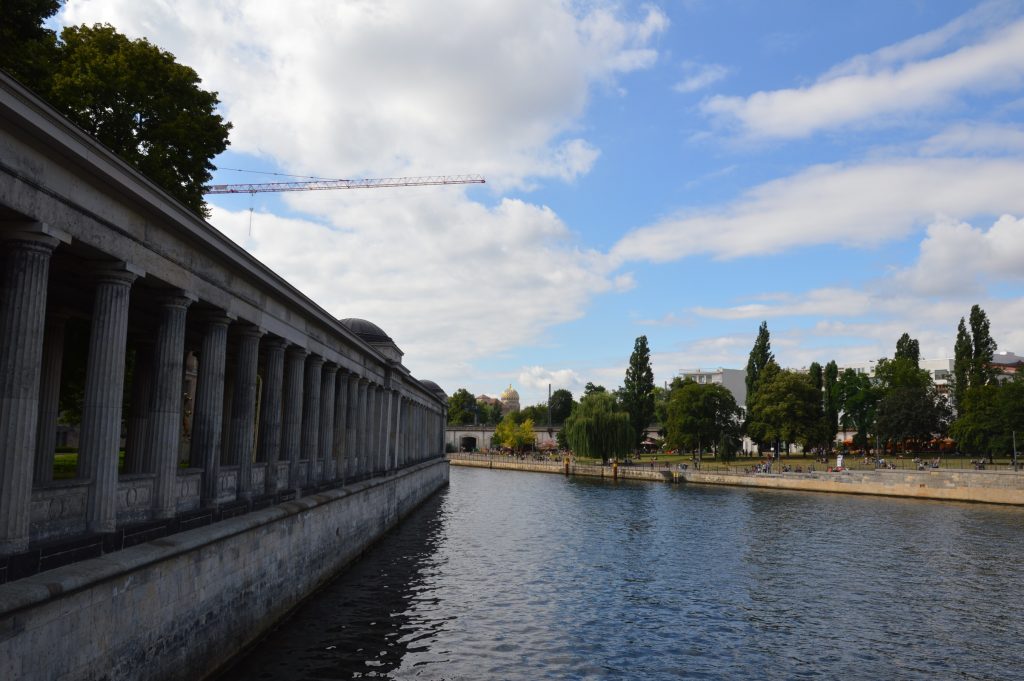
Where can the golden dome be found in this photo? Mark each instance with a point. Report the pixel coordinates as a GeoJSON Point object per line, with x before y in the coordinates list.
{"type": "Point", "coordinates": [510, 394]}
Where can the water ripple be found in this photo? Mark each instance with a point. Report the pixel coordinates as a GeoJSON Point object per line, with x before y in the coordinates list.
{"type": "Point", "coordinates": [527, 576]}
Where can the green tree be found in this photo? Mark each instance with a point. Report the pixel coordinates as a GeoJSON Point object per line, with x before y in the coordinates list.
{"type": "Point", "coordinates": [702, 416]}
{"type": "Point", "coordinates": [460, 407]}
{"type": "Point", "coordinates": [537, 413]}
{"type": "Point", "coordinates": [28, 49]}
{"type": "Point", "coordinates": [910, 407]}
{"type": "Point", "coordinates": [596, 428]}
{"type": "Point", "coordinates": [786, 408]}
{"type": "Point", "coordinates": [638, 389]}
{"type": "Point", "coordinates": [856, 398]}
{"type": "Point", "coordinates": [513, 435]}
{"type": "Point", "coordinates": [129, 94]}
{"type": "Point", "coordinates": [489, 414]}
{"type": "Point", "coordinates": [144, 105]}
{"type": "Point", "coordinates": [830, 407]}
{"type": "Point", "coordinates": [561, 406]}
{"type": "Point", "coordinates": [991, 416]}
{"type": "Point", "coordinates": [760, 357]}
{"type": "Point", "coordinates": [909, 349]}
{"type": "Point", "coordinates": [962, 356]}
{"type": "Point", "coordinates": [593, 388]}
{"type": "Point", "coordinates": [983, 348]}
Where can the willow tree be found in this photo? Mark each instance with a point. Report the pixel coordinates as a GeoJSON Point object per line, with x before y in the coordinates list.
{"type": "Point", "coordinates": [597, 429]}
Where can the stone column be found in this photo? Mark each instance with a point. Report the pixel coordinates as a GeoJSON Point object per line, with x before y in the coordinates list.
{"type": "Point", "coordinates": [340, 443]}
{"type": "Point", "coordinates": [351, 425]}
{"type": "Point", "coordinates": [291, 413]}
{"type": "Point", "coordinates": [328, 385]}
{"type": "Point", "coordinates": [397, 431]}
{"type": "Point", "coordinates": [163, 439]}
{"type": "Point", "coordinates": [138, 417]}
{"type": "Point", "coordinates": [385, 424]}
{"type": "Point", "coordinates": [208, 424]}
{"type": "Point", "coordinates": [362, 420]}
{"type": "Point", "coordinates": [49, 397]}
{"type": "Point", "coordinates": [311, 416]}
{"type": "Point", "coordinates": [370, 455]}
{"type": "Point", "coordinates": [100, 439]}
{"type": "Point", "coordinates": [243, 408]}
{"type": "Point", "coordinates": [269, 448]}
{"type": "Point", "coordinates": [378, 429]}
{"type": "Point", "coordinates": [26, 271]}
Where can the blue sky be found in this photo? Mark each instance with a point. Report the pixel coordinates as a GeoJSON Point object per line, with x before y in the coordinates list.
{"type": "Point", "coordinates": [681, 169]}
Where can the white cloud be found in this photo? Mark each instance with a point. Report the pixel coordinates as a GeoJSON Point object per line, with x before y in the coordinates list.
{"type": "Point", "coordinates": [872, 88]}
{"type": "Point", "coordinates": [399, 88]}
{"type": "Point", "coordinates": [990, 138]}
{"type": "Point", "coordinates": [699, 76]}
{"type": "Point", "coordinates": [379, 89]}
{"type": "Point", "coordinates": [957, 258]}
{"type": "Point", "coordinates": [825, 301]}
{"type": "Point", "coordinates": [451, 281]}
{"type": "Point", "coordinates": [859, 205]}
{"type": "Point", "coordinates": [536, 379]}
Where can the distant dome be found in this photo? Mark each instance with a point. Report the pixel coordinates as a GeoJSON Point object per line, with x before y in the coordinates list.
{"type": "Point", "coordinates": [368, 331]}
{"type": "Point", "coordinates": [433, 387]}
{"type": "Point", "coordinates": [510, 394]}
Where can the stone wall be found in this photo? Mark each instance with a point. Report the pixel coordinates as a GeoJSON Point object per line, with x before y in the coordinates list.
{"type": "Point", "coordinates": [992, 487]}
{"type": "Point", "coordinates": [182, 606]}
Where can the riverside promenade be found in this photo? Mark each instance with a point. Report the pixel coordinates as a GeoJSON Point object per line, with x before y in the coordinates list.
{"type": "Point", "coordinates": [991, 487]}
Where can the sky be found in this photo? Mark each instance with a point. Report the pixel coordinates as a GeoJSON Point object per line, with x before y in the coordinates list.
{"type": "Point", "coordinates": [682, 169]}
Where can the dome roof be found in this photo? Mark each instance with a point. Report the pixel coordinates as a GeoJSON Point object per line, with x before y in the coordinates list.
{"type": "Point", "coordinates": [433, 387]}
{"type": "Point", "coordinates": [510, 394]}
{"type": "Point", "coordinates": [368, 331]}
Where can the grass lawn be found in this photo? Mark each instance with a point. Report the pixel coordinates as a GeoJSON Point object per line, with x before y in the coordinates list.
{"type": "Point", "coordinates": [65, 465]}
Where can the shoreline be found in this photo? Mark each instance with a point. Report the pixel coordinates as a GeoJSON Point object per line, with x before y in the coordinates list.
{"type": "Point", "coordinates": [989, 487]}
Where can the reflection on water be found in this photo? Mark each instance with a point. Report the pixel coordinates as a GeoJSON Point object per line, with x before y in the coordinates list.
{"type": "Point", "coordinates": [520, 576]}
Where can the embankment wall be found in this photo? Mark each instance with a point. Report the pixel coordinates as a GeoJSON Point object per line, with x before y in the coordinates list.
{"type": "Point", "coordinates": [992, 487]}
{"type": "Point", "coordinates": [182, 606]}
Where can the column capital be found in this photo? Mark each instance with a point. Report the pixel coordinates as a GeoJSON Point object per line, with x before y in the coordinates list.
{"type": "Point", "coordinates": [115, 272]}
{"type": "Point", "coordinates": [296, 351]}
{"type": "Point", "coordinates": [176, 298]}
{"type": "Point", "coordinates": [215, 317]}
{"type": "Point", "coordinates": [330, 367]}
{"type": "Point", "coordinates": [247, 330]}
{"type": "Point", "coordinates": [41, 232]}
{"type": "Point", "coordinates": [273, 342]}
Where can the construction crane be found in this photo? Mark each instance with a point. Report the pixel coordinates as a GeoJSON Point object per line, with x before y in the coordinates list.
{"type": "Point", "coordinates": [320, 184]}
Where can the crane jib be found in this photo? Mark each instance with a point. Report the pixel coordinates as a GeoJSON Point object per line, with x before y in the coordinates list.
{"type": "Point", "coordinates": [373, 183]}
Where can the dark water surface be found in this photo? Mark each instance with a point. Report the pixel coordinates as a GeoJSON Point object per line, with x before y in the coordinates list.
{"type": "Point", "coordinates": [509, 575]}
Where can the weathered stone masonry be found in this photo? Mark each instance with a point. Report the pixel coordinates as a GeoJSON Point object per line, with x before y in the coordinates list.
{"type": "Point", "coordinates": [303, 435]}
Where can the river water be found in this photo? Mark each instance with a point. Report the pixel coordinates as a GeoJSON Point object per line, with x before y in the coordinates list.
{"type": "Point", "coordinates": [509, 575]}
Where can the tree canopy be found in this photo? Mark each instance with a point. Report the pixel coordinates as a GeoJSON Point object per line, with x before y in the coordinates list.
{"type": "Point", "coordinates": [597, 429]}
{"type": "Point", "coordinates": [702, 416]}
{"type": "Point", "coordinates": [760, 357]}
{"type": "Point", "coordinates": [460, 407]}
{"type": "Point", "coordinates": [990, 416]}
{"type": "Point", "coordinates": [637, 395]}
{"type": "Point", "coordinates": [909, 406]}
{"type": "Point", "coordinates": [513, 435]}
{"type": "Point", "coordinates": [856, 398]}
{"type": "Point", "coordinates": [561, 406]}
{"type": "Point", "coordinates": [786, 407]}
{"type": "Point", "coordinates": [909, 349]}
{"type": "Point", "coordinates": [132, 96]}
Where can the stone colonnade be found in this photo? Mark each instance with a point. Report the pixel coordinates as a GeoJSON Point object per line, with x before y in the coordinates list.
{"type": "Point", "coordinates": [269, 415]}
{"type": "Point", "coordinates": [159, 337]}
